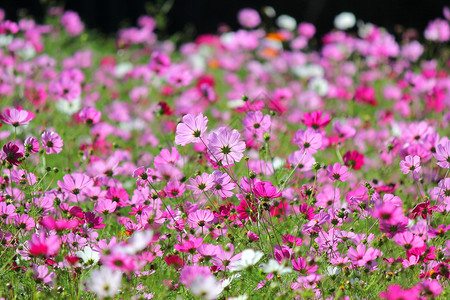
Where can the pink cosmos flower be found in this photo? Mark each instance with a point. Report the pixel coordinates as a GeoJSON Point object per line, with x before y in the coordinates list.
{"type": "Point", "coordinates": [41, 274]}
{"type": "Point", "coordinates": [200, 218]}
{"type": "Point", "coordinates": [353, 159]}
{"type": "Point", "coordinates": [65, 88]}
{"type": "Point", "coordinates": [74, 183]}
{"type": "Point", "coordinates": [360, 256]}
{"type": "Point", "coordinates": [72, 23]}
{"type": "Point", "coordinates": [166, 157]}
{"type": "Point", "coordinates": [189, 246]}
{"type": "Point", "coordinates": [24, 222]}
{"type": "Point", "coordinates": [224, 257]}
{"type": "Point", "coordinates": [308, 140]}
{"type": "Point", "coordinates": [226, 146]}
{"type": "Point", "coordinates": [410, 164]}
{"type": "Point", "coordinates": [438, 30]}
{"type": "Point", "coordinates": [256, 123]}
{"type": "Point", "coordinates": [174, 189]}
{"type": "Point", "coordinates": [338, 172]}
{"type": "Point", "coordinates": [90, 116]}
{"type": "Point", "coordinates": [201, 183]}
{"type": "Point", "coordinates": [303, 160]}
{"type": "Point", "coordinates": [430, 288]}
{"type": "Point", "coordinates": [11, 153]}
{"type": "Point", "coordinates": [52, 142]}
{"type": "Point", "coordinates": [408, 240]}
{"type": "Point", "coordinates": [222, 184]}
{"type": "Point", "coordinates": [388, 213]}
{"type": "Point", "coordinates": [59, 225]}
{"type": "Point", "coordinates": [31, 145]}
{"type": "Point", "coordinates": [17, 117]}
{"type": "Point", "coordinates": [249, 18]}
{"type": "Point", "coordinates": [105, 206]}
{"type": "Point", "coordinates": [191, 129]}
{"type": "Point", "coordinates": [443, 155]}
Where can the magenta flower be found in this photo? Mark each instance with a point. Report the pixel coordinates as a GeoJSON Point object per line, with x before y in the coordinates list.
{"type": "Point", "coordinates": [16, 117]}
{"type": "Point", "coordinates": [226, 146]}
{"type": "Point", "coordinates": [222, 184]}
{"type": "Point", "coordinates": [11, 153]}
{"type": "Point", "coordinates": [388, 213]}
{"type": "Point", "coordinates": [265, 190]}
{"type": "Point", "coordinates": [200, 218]}
{"type": "Point", "coordinates": [201, 183]}
{"type": "Point", "coordinates": [408, 240]}
{"type": "Point", "coordinates": [338, 172]}
{"type": "Point", "coordinates": [316, 119]}
{"type": "Point", "coordinates": [395, 292]}
{"type": "Point", "coordinates": [174, 189]}
{"type": "Point", "coordinates": [191, 130]}
{"type": "Point", "coordinates": [308, 140]}
{"type": "Point", "coordinates": [410, 164]}
{"type": "Point", "coordinates": [52, 142]}
{"type": "Point", "coordinates": [443, 155]}
{"type": "Point", "coordinates": [42, 245]}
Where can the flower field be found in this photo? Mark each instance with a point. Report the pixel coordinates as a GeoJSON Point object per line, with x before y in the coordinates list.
{"type": "Point", "coordinates": [261, 163]}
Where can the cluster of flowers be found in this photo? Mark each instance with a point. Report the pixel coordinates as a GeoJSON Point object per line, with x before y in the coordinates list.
{"type": "Point", "coordinates": [242, 165]}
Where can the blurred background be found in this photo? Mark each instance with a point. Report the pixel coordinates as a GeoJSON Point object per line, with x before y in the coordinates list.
{"type": "Point", "coordinates": [193, 17]}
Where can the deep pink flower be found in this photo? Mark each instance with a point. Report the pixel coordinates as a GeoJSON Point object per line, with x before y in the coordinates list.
{"type": "Point", "coordinates": [388, 213]}
{"type": "Point", "coordinates": [17, 117]}
{"type": "Point", "coordinates": [422, 209]}
{"type": "Point", "coordinates": [395, 292]}
{"type": "Point", "coordinates": [353, 159]}
{"type": "Point", "coordinates": [191, 129]}
{"type": "Point", "coordinates": [42, 245]}
{"type": "Point", "coordinates": [316, 119]}
{"type": "Point", "coordinates": [338, 172]}
{"type": "Point", "coordinates": [52, 142]}
{"type": "Point", "coordinates": [226, 146]}
{"type": "Point", "coordinates": [265, 190]}
{"type": "Point", "coordinates": [59, 225]}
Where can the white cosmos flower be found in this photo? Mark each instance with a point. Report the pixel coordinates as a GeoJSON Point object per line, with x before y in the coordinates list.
{"type": "Point", "coordinates": [249, 257]}
{"type": "Point", "coordinates": [319, 85]}
{"type": "Point", "coordinates": [241, 297]}
{"type": "Point", "coordinates": [67, 107]}
{"type": "Point", "coordinates": [122, 69]}
{"type": "Point", "coordinates": [226, 282]}
{"type": "Point", "coordinates": [274, 267]}
{"type": "Point", "coordinates": [105, 282]}
{"type": "Point", "coordinates": [332, 271]}
{"type": "Point", "coordinates": [206, 288]}
{"type": "Point", "coordinates": [286, 22]}
{"type": "Point", "coordinates": [138, 242]}
{"type": "Point", "coordinates": [278, 162]}
{"type": "Point", "coordinates": [88, 256]}
{"type": "Point", "coordinates": [344, 20]}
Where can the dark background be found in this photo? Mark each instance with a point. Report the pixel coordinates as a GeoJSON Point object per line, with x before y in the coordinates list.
{"type": "Point", "coordinates": [193, 17]}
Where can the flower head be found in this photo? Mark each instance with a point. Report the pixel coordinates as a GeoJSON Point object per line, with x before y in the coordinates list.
{"type": "Point", "coordinates": [191, 129]}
